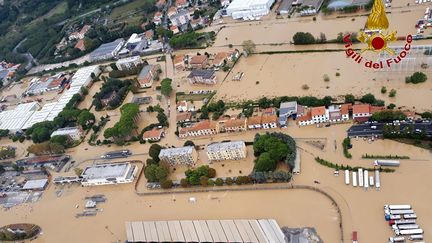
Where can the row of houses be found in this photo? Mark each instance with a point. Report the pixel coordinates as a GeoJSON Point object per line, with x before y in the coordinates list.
{"type": "Point", "coordinates": [208, 127]}
{"type": "Point", "coordinates": [217, 60]}
{"type": "Point", "coordinates": [234, 150]}
{"type": "Point", "coordinates": [332, 114]}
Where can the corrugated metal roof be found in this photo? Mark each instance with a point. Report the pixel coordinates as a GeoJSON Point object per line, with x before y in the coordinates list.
{"type": "Point", "coordinates": [138, 232]}
{"type": "Point", "coordinates": [129, 232]}
{"type": "Point", "coordinates": [163, 231]}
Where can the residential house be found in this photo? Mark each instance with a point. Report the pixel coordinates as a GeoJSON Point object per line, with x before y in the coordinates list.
{"type": "Point", "coordinates": [335, 114]}
{"type": "Point", "coordinates": [361, 112]}
{"type": "Point", "coordinates": [157, 19]}
{"type": "Point", "coordinates": [149, 35]}
{"type": "Point", "coordinates": [80, 34]}
{"type": "Point", "coordinates": [80, 45]}
{"type": "Point", "coordinates": [182, 3]}
{"type": "Point", "coordinates": [220, 59]}
{"type": "Point", "coordinates": [269, 111]}
{"type": "Point", "coordinates": [184, 117]}
{"type": "Point", "coordinates": [179, 156]}
{"type": "Point", "coordinates": [198, 76]}
{"type": "Point", "coordinates": [319, 114]}
{"type": "Point", "coordinates": [254, 122]}
{"type": "Point", "coordinates": [232, 125]}
{"type": "Point", "coordinates": [128, 63]}
{"type": "Point", "coordinates": [179, 62]}
{"type": "Point", "coordinates": [147, 75]}
{"type": "Point", "coordinates": [305, 120]}
{"type": "Point", "coordinates": [234, 150]}
{"type": "Point", "coordinates": [198, 62]}
{"type": "Point", "coordinates": [174, 29]}
{"type": "Point", "coordinates": [180, 19]}
{"type": "Point", "coordinates": [171, 11]}
{"type": "Point", "coordinates": [269, 122]}
{"type": "Point", "coordinates": [202, 128]}
{"type": "Point", "coordinates": [184, 106]}
{"type": "Point", "coordinates": [286, 110]}
{"type": "Point", "coordinates": [154, 135]}
{"type": "Point", "coordinates": [73, 133]}
{"type": "Point", "coordinates": [344, 109]}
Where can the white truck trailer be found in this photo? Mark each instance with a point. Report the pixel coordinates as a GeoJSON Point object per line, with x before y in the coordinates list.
{"type": "Point", "coordinates": [354, 178]}
{"type": "Point", "coordinates": [396, 239]}
{"type": "Point", "coordinates": [377, 179]}
{"type": "Point", "coordinates": [366, 179]}
{"type": "Point", "coordinates": [371, 181]}
{"type": "Point", "coordinates": [360, 179]}
{"type": "Point", "coordinates": [415, 237]}
{"type": "Point", "coordinates": [347, 177]}
{"type": "Point", "coordinates": [409, 232]}
{"type": "Point", "coordinates": [410, 216]}
{"type": "Point", "coordinates": [397, 206]}
{"type": "Point", "coordinates": [382, 162]}
{"type": "Point", "coordinates": [402, 211]}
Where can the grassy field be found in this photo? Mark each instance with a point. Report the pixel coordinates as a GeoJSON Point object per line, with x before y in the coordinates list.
{"type": "Point", "coordinates": [131, 8]}
{"type": "Point", "coordinates": [195, 97]}
{"type": "Point", "coordinates": [59, 9]}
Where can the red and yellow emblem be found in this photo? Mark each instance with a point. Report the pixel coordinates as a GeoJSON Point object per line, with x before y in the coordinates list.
{"type": "Point", "coordinates": [373, 35]}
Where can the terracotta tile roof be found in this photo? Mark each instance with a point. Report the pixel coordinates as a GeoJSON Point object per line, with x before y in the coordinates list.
{"type": "Point", "coordinates": [305, 117]}
{"type": "Point", "coordinates": [374, 109]}
{"type": "Point", "coordinates": [235, 123]}
{"type": "Point", "coordinates": [269, 119]}
{"type": "Point", "coordinates": [172, 10]}
{"type": "Point", "coordinates": [361, 108]}
{"type": "Point", "coordinates": [173, 28]}
{"type": "Point", "coordinates": [254, 120]}
{"type": "Point", "coordinates": [154, 133]}
{"type": "Point", "coordinates": [198, 59]}
{"type": "Point", "coordinates": [220, 57]}
{"type": "Point", "coordinates": [178, 59]}
{"type": "Point", "coordinates": [180, 2]}
{"type": "Point", "coordinates": [318, 111]}
{"type": "Point", "coordinates": [149, 34]}
{"type": "Point", "coordinates": [183, 116]}
{"type": "Point", "coordinates": [161, 2]}
{"type": "Point", "coordinates": [270, 111]}
{"type": "Point", "coordinates": [344, 109]}
{"type": "Point", "coordinates": [80, 45]}
{"type": "Point", "coordinates": [202, 125]}
{"type": "Point", "coordinates": [84, 29]}
{"type": "Point", "coordinates": [158, 15]}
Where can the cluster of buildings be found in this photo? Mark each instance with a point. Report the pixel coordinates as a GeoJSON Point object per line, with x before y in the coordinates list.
{"type": "Point", "coordinates": [308, 7]}
{"type": "Point", "coordinates": [208, 127]}
{"type": "Point", "coordinates": [7, 72]}
{"type": "Point", "coordinates": [109, 174]}
{"type": "Point", "coordinates": [332, 114]}
{"type": "Point", "coordinates": [234, 150]}
{"type": "Point", "coordinates": [214, 61]}
{"type": "Point", "coordinates": [26, 115]}
{"type": "Point", "coordinates": [40, 85]}
{"type": "Point", "coordinates": [137, 44]}
{"type": "Point", "coordinates": [76, 37]}
{"type": "Point", "coordinates": [147, 75]}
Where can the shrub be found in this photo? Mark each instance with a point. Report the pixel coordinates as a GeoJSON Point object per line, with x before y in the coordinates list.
{"type": "Point", "coordinates": [326, 78]}
{"type": "Point", "coordinates": [184, 183]}
{"type": "Point", "coordinates": [392, 93]}
{"type": "Point", "coordinates": [229, 181]}
{"type": "Point", "coordinates": [219, 182]}
{"type": "Point", "coordinates": [383, 90]}
{"type": "Point", "coordinates": [337, 74]}
{"type": "Point", "coordinates": [417, 77]}
{"type": "Point", "coordinates": [346, 145]}
{"type": "Point", "coordinates": [305, 87]}
{"type": "Point", "coordinates": [166, 184]}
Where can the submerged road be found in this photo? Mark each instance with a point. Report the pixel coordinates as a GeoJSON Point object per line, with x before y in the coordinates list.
{"type": "Point", "coordinates": [376, 129]}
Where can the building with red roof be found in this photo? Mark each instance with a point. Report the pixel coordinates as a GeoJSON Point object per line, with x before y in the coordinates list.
{"type": "Point", "coordinates": [154, 135]}
{"type": "Point", "coordinates": [361, 112]}
{"type": "Point", "coordinates": [319, 114]}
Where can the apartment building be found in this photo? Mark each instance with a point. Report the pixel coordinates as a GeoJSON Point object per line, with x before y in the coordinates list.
{"type": "Point", "coordinates": [226, 151]}
{"type": "Point", "coordinates": [179, 156]}
{"type": "Point", "coordinates": [202, 128]}
{"type": "Point", "coordinates": [319, 114]}
{"type": "Point", "coordinates": [128, 63]}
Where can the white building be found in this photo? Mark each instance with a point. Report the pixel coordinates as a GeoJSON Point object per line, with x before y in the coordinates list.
{"type": "Point", "coordinates": [249, 9]}
{"type": "Point", "coordinates": [73, 133]}
{"type": "Point", "coordinates": [183, 155]}
{"type": "Point", "coordinates": [226, 151]}
{"type": "Point", "coordinates": [320, 114]}
{"type": "Point", "coordinates": [128, 63]}
{"type": "Point", "coordinates": [82, 77]}
{"type": "Point", "coordinates": [106, 174]}
{"type": "Point", "coordinates": [15, 119]}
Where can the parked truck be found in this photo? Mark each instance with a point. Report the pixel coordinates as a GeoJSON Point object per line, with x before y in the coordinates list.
{"type": "Point", "coordinates": [366, 179]}
{"type": "Point", "coordinates": [382, 162]}
{"type": "Point", "coordinates": [377, 179]}
{"type": "Point", "coordinates": [354, 237]}
{"type": "Point", "coordinates": [354, 178]}
{"type": "Point", "coordinates": [403, 211]}
{"type": "Point", "coordinates": [371, 181]}
{"type": "Point", "coordinates": [405, 226]}
{"type": "Point", "coordinates": [402, 221]}
{"type": "Point", "coordinates": [415, 237]}
{"type": "Point", "coordinates": [409, 232]}
{"type": "Point", "coordinates": [410, 216]}
{"type": "Point", "coordinates": [360, 179]}
{"type": "Point", "coordinates": [347, 177]}
{"type": "Point", "coordinates": [396, 239]}
{"type": "Point", "coordinates": [397, 206]}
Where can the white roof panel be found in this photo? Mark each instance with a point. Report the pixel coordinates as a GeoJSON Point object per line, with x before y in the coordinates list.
{"type": "Point", "coordinates": [231, 231]}
{"type": "Point", "coordinates": [138, 231]}
{"type": "Point", "coordinates": [176, 231]}
{"type": "Point", "coordinates": [129, 232]}
{"type": "Point", "coordinates": [163, 231]}
{"type": "Point", "coordinates": [259, 233]}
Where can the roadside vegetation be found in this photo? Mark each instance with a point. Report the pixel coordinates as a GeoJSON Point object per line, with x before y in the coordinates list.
{"type": "Point", "coordinates": [388, 116]}
{"type": "Point", "coordinates": [111, 94]}
{"type": "Point", "coordinates": [348, 167]}
{"type": "Point", "coordinates": [124, 128]}
{"type": "Point", "coordinates": [371, 156]}
{"type": "Point", "coordinates": [346, 144]}
{"type": "Point", "coordinates": [192, 39]}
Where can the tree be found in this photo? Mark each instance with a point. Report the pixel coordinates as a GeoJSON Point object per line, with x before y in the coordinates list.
{"type": "Point", "coordinates": [368, 98]}
{"type": "Point", "coordinates": [211, 173]}
{"type": "Point", "coordinates": [229, 181]}
{"type": "Point", "coordinates": [219, 182]}
{"type": "Point", "coordinates": [184, 182]}
{"type": "Point", "coordinates": [426, 115]}
{"type": "Point", "coordinates": [166, 184]}
{"type": "Point", "coordinates": [154, 151]}
{"type": "Point", "coordinates": [150, 172]}
{"type": "Point", "coordinates": [303, 38]}
{"type": "Point", "coordinates": [113, 66]}
{"type": "Point", "coordinates": [392, 93]}
{"type": "Point", "coordinates": [383, 90]}
{"type": "Point", "coordinates": [162, 119]}
{"type": "Point", "coordinates": [249, 47]}
{"type": "Point", "coordinates": [40, 134]}
{"type": "Point", "coordinates": [349, 98]}
{"type": "Point", "coordinates": [417, 77]}
{"type": "Point", "coordinates": [61, 139]}
{"type": "Point", "coordinates": [166, 88]}
{"type": "Point", "coordinates": [204, 180]}
{"type": "Point", "coordinates": [86, 119]}
{"type": "Point", "coordinates": [265, 162]}
{"type": "Point", "coordinates": [189, 143]}
{"type": "Point", "coordinates": [264, 103]}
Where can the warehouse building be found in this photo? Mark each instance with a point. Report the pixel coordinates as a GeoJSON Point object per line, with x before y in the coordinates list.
{"type": "Point", "coordinates": [83, 76]}
{"type": "Point", "coordinates": [128, 63]}
{"type": "Point", "coordinates": [179, 156]}
{"type": "Point", "coordinates": [107, 51]}
{"type": "Point", "coordinates": [36, 185]}
{"type": "Point", "coordinates": [238, 230]}
{"type": "Point", "coordinates": [108, 174]}
{"type": "Point", "coordinates": [14, 119]}
{"type": "Point", "coordinates": [249, 9]}
{"type": "Point", "coordinates": [226, 151]}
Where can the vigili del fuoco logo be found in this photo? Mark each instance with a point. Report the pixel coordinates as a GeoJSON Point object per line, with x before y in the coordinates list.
{"type": "Point", "coordinates": [377, 37]}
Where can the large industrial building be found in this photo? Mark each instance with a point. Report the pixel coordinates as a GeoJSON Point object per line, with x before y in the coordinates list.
{"type": "Point", "coordinates": [106, 174]}
{"type": "Point", "coordinates": [176, 156]}
{"type": "Point", "coordinates": [249, 9]}
{"type": "Point", "coordinates": [237, 230]}
{"type": "Point", "coordinates": [14, 119]}
{"type": "Point", "coordinates": [226, 151]}
{"type": "Point", "coordinates": [73, 133]}
{"type": "Point", "coordinates": [107, 51]}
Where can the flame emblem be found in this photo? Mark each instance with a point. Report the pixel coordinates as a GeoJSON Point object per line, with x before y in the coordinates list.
{"type": "Point", "coordinates": [376, 24]}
